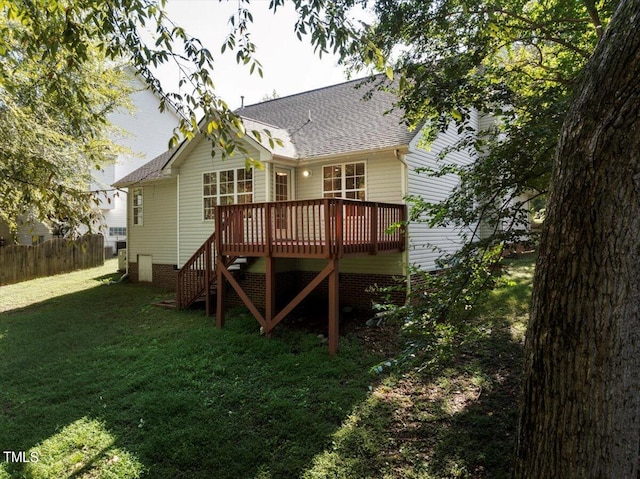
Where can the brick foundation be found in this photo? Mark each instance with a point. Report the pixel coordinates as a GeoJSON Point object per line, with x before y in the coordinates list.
{"type": "Point", "coordinates": [354, 288]}
{"type": "Point", "coordinates": [164, 275]}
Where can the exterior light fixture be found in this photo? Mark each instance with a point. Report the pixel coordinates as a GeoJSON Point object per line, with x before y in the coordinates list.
{"type": "Point", "coordinates": [307, 173]}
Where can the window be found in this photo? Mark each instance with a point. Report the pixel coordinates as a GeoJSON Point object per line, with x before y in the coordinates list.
{"type": "Point", "coordinates": [245, 186]}
{"type": "Point", "coordinates": [226, 187]}
{"type": "Point", "coordinates": [209, 194]}
{"type": "Point", "coordinates": [117, 231]}
{"type": "Point", "coordinates": [137, 206]}
{"type": "Point", "coordinates": [344, 181]}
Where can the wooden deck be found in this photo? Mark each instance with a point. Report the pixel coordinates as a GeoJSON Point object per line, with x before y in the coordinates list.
{"type": "Point", "coordinates": [328, 228]}
{"type": "Point", "coordinates": [324, 228]}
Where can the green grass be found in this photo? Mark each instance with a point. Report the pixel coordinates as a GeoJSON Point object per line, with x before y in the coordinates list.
{"type": "Point", "coordinates": [97, 382]}
{"type": "Point", "coordinates": [454, 415]}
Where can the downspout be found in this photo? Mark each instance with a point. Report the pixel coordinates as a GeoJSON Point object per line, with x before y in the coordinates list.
{"type": "Point", "coordinates": [178, 221]}
{"type": "Point", "coordinates": [404, 186]}
{"type": "Point", "coordinates": [126, 266]}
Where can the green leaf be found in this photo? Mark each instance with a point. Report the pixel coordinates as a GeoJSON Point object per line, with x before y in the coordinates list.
{"type": "Point", "coordinates": [389, 72]}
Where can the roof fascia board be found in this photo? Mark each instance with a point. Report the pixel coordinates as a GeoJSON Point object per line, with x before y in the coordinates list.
{"type": "Point", "coordinates": [173, 165]}
{"type": "Point", "coordinates": [319, 159]}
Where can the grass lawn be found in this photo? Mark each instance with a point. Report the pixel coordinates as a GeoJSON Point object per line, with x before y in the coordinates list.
{"type": "Point", "coordinates": [96, 382]}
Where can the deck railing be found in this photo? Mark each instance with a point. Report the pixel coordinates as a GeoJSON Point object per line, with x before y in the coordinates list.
{"type": "Point", "coordinates": [321, 228]}
{"type": "Point", "coordinates": [194, 278]}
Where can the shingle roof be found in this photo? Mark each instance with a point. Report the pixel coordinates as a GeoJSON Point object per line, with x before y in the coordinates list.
{"type": "Point", "coordinates": [335, 119]}
{"type": "Point", "coordinates": [147, 172]}
{"type": "Point", "coordinates": [332, 120]}
{"type": "Point", "coordinates": [287, 148]}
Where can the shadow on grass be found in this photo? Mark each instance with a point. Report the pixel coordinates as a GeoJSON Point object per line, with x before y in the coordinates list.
{"type": "Point", "coordinates": [165, 391]}
{"type": "Point", "coordinates": [455, 416]}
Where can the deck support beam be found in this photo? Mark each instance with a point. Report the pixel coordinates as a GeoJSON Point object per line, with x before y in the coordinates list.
{"type": "Point", "coordinates": [334, 306]}
{"type": "Point", "coordinates": [270, 293]}
{"type": "Point", "coordinates": [220, 287]}
{"type": "Point", "coordinates": [271, 319]}
{"type": "Point", "coordinates": [222, 270]}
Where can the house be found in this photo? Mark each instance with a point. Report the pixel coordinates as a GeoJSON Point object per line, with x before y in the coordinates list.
{"type": "Point", "coordinates": [144, 133]}
{"type": "Point", "coordinates": [314, 220]}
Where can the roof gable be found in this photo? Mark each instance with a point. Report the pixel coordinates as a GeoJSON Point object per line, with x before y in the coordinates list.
{"type": "Point", "coordinates": [148, 172]}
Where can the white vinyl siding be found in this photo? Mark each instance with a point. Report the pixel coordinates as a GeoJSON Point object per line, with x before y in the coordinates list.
{"type": "Point", "coordinates": [143, 133]}
{"type": "Point", "coordinates": [193, 228]}
{"type": "Point", "coordinates": [384, 178]}
{"type": "Point", "coordinates": [387, 263]}
{"type": "Point", "coordinates": [427, 244]}
{"type": "Point", "coordinates": [157, 236]}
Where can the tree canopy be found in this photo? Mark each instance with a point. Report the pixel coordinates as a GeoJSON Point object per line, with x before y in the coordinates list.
{"type": "Point", "coordinates": [517, 62]}
{"type": "Point", "coordinates": [53, 128]}
{"type": "Point", "coordinates": [57, 90]}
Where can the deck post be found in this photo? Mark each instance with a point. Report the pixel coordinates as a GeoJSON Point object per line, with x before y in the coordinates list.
{"type": "Point", "coordinates": [270, 293]}
{"type": "Point", "coordinates": [220, 309]}
{"type": "Point", "coordinates": [217, 241]}
{"type": "Point", "coordinates": [338, 221]}
{"type": "Point", "coordinates": [207, 280]}
{"type": "Point", "coordinates": [334, 306]}
{"type": "Point", "coordinates": [374, 229]}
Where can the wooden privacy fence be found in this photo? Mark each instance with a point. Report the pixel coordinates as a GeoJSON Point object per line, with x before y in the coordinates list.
{"type": "Point", "coordinates": [21, 263]}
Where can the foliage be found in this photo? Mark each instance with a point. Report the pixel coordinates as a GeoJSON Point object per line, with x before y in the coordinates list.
{"type": "Point", "coordinates": [66, 40]}
{"type": "Point", "coordinates": [516, 63]}
{"type": "Point", "coordinates": [52, 127]}
{"type": "Point", "coordinates": [442, 302]}
{"type": "Point", "coordinates": [456, 415]}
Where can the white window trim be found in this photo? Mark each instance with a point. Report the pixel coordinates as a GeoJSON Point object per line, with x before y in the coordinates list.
{"type": "Point", "coordinates": [123, 229]}
{"type": "Point", "coordinates": [235, 188]}
{"type": "Point", "coordinates": [343, 190]}
{"type": "Point", "coordinates": [140, 207]}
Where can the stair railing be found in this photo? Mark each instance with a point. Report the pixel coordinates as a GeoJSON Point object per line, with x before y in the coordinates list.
{"type": "Point", "coordinates": [193, 276]}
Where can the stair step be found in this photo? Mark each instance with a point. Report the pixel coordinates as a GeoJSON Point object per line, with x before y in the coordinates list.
{"type": "Point", "coordinates": [166, 303]}
{"type": "Point", "coordinates": [241, 260]}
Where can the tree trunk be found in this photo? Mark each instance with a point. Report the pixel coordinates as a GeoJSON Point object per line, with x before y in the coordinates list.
{"type": "Point", "coordinates": [580, 415]}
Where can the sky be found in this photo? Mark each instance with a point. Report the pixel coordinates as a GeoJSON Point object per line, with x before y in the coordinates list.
{"type": "Point", "coordinates": [289, 65]}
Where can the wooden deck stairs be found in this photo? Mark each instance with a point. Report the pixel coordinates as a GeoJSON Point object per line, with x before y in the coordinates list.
{"type": "Point", "coordinates": [195, 279]}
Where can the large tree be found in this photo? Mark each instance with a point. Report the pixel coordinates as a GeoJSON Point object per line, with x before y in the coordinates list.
{"type": "Point", "coordinates": [581, 412]}
{"type": "Point", "coordinates": [53, 130]}
{"type": "Point", "coordinates": [515, 60]}
{"type": "Point", "coordinates": [56, 45]}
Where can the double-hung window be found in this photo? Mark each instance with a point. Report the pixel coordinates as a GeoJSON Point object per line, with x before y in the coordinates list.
{"type": "Point", "coordinates": [117, 231]}
{"type": "Point", "coordinates": [226, 187]}
{"type": "Point", "coordinates": [344, 181]}
{"type": "Point", "coordinates": [137, 206]}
